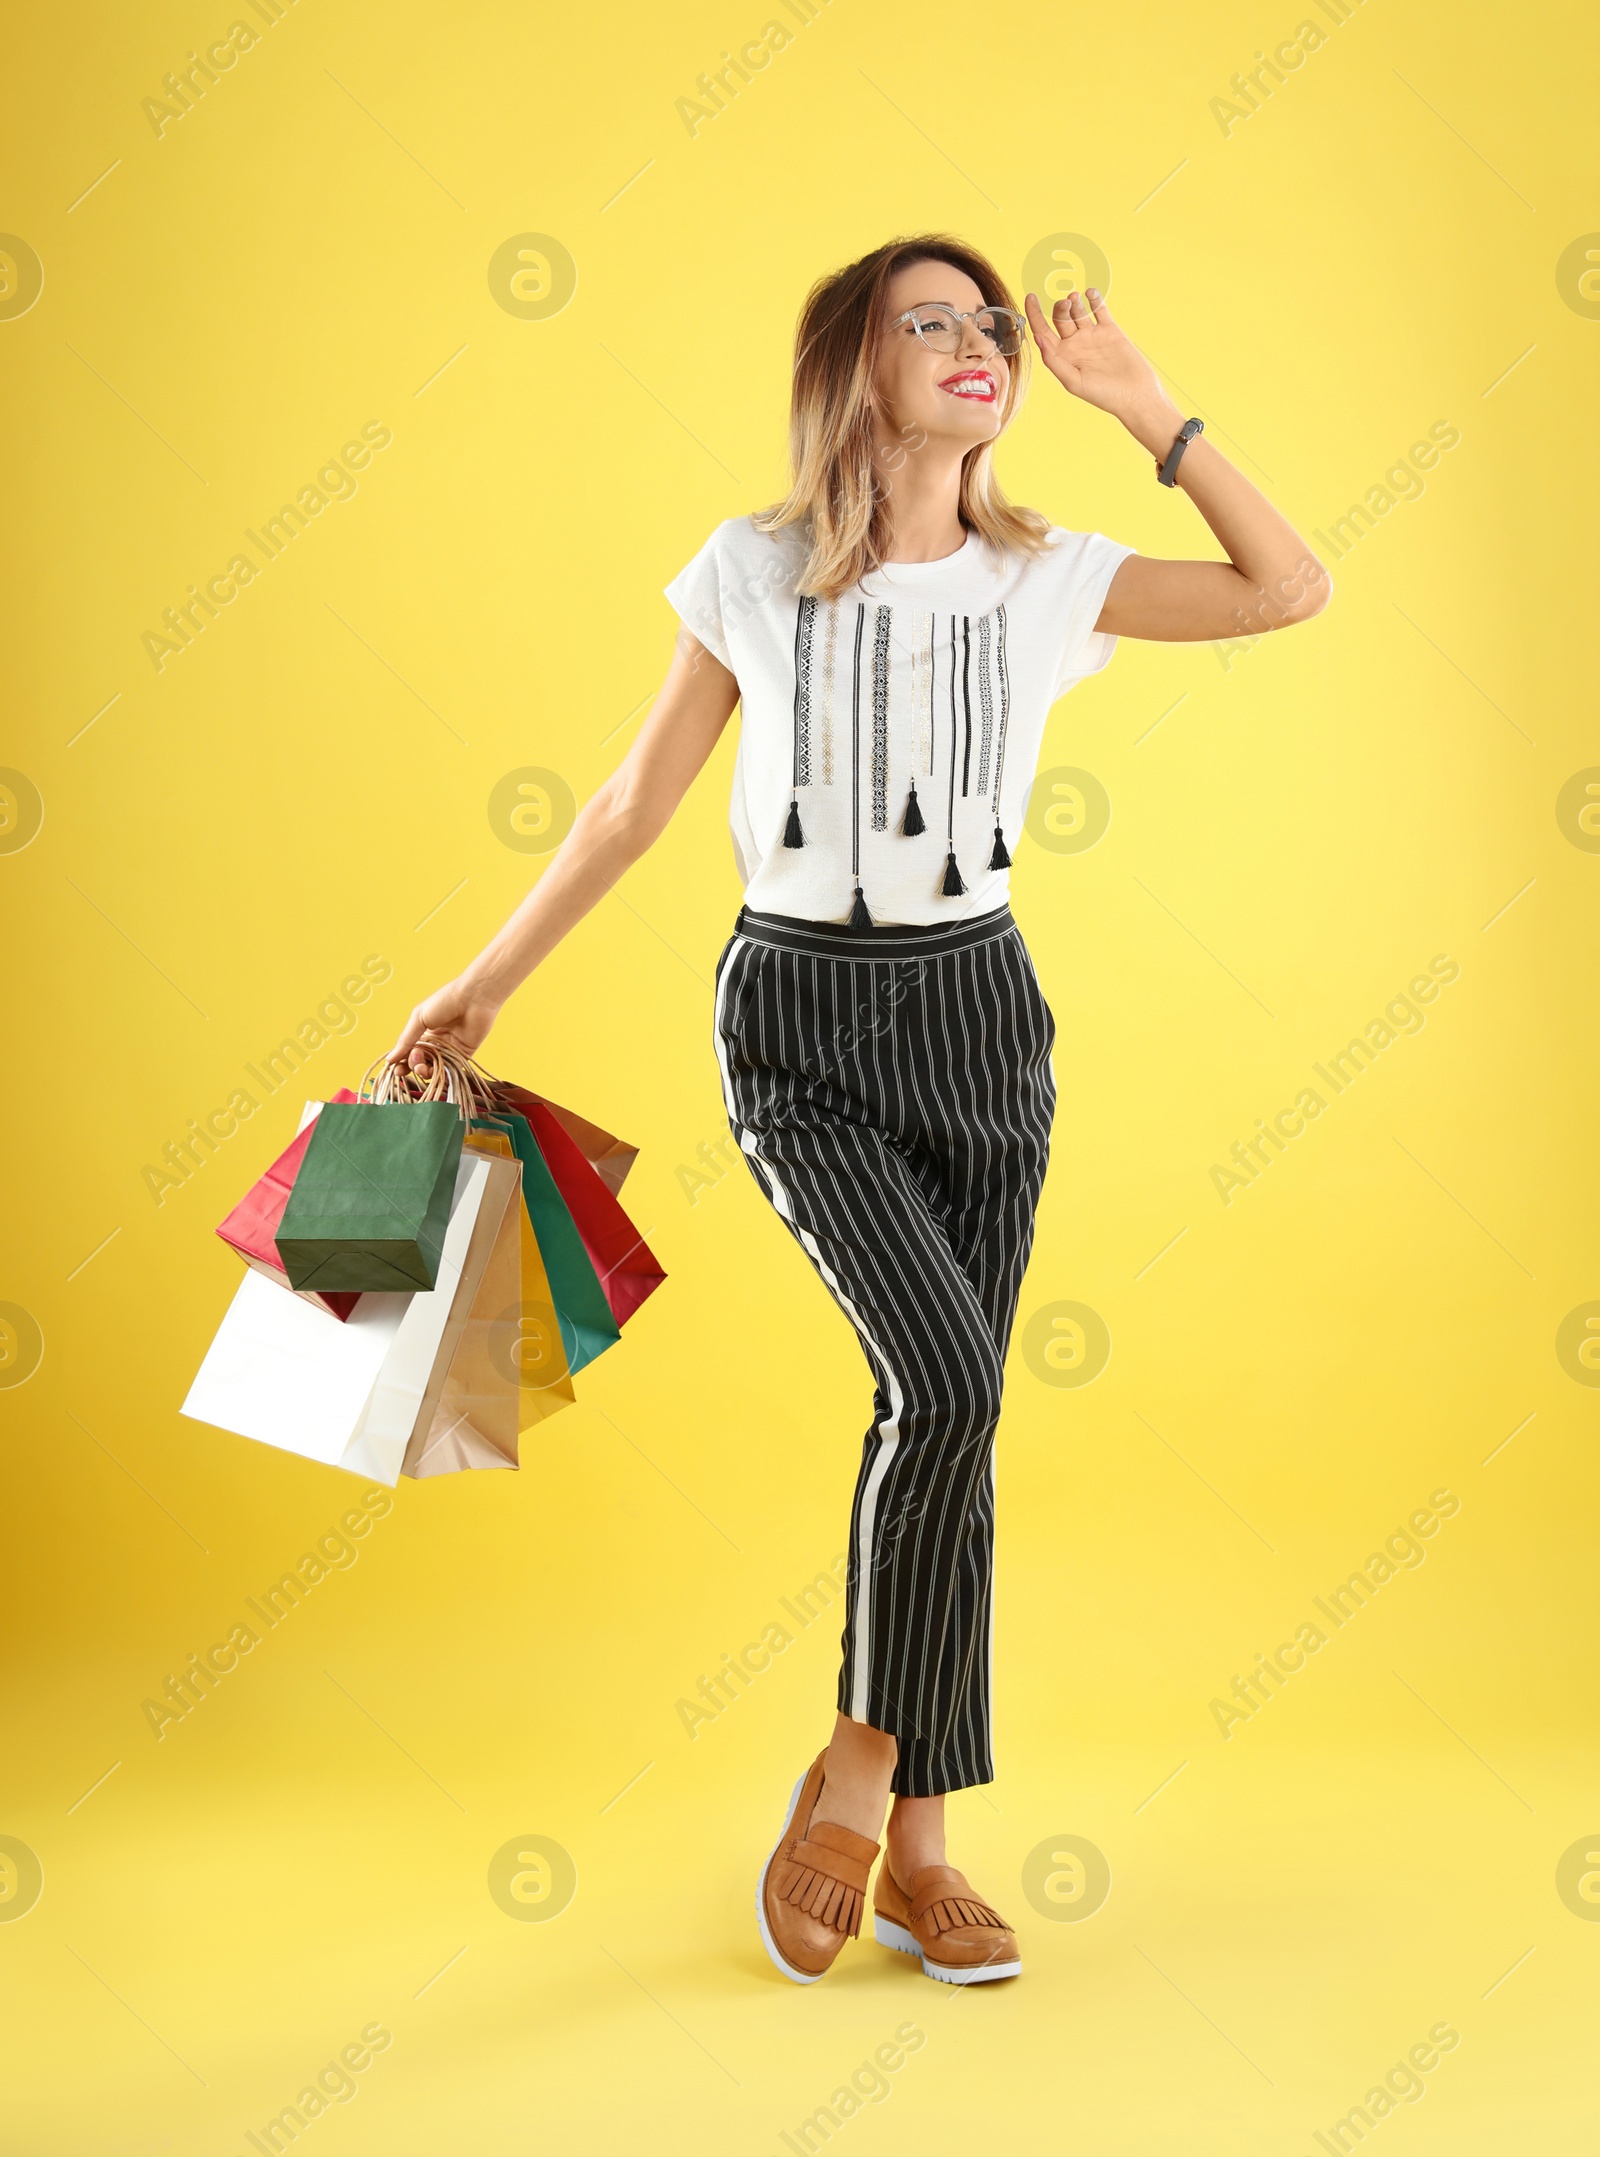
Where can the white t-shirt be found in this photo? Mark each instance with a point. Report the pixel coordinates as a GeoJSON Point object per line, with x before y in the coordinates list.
{"type": "Point", "coordinates": [932, 678]}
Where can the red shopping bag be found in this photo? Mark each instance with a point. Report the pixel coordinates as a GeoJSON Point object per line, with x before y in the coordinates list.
{"type": "Point", "coordinates": [253, 1224]}
{"type": "Point", "coordinates": [627, 1268]}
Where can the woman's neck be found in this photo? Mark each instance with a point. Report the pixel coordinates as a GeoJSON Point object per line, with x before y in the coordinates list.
{"type": "Point", "coordinates": [924, 501]}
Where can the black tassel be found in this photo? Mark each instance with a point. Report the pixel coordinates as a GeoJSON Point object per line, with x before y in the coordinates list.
{"type": "Point", "coordinates": [792, 834]}
{"type": "Point", "coordinates": [859, 917]}
{"type": "Point", "coordinates": [999, 859]}
{"type": "Point", "coordinates": [911, 823]}
{"type": "Point", "coordinates": [953, 886]}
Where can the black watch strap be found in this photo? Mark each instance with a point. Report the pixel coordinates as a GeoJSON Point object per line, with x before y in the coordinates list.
{"type": "Point", "coordinates": [1168, 473]}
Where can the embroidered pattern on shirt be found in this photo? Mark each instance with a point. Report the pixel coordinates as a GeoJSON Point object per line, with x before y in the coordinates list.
{"type": "Point", "coordinates": [855, 748]}
{"type": "Point", "coordinates": [804, 630]}
{"type": "Point", "coordinates": [880, 719]}
{"type": "Point", "coordinates": [985, 704]}
{"type": "Point", "coordinates": [1005, 701]}
{"type": "Point", "coordinates": [912, 643]}
{"type": "Point", "coordinates": [951, 821]}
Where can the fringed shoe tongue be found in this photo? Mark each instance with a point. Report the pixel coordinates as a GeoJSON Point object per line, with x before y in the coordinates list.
{"type": "Point", "coordinates": [831, 1902]}
{"type": "Point", "coordinates": [828, 1880]}
{"type": "Point", "coordinates": [945, 1901]}
{"type": "Point", "coordinates": [951, 1911]}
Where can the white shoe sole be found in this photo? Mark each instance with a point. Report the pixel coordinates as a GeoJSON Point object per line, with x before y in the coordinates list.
{"type": "Point", "coordinates": [798, 1977]}
{"type": "Point", "coordinates": [889, 1934]}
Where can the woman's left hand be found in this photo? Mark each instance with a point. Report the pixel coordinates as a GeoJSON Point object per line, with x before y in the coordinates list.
{"type": "Point", "coordinates": [1089, 355]}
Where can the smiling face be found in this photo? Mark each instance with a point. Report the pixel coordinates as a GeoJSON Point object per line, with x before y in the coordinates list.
{"type": "Point", "coordinates": [956, 397]}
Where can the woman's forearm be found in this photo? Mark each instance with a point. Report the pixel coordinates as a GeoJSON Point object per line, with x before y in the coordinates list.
{"type": "Point", "coordinates": [607, 838]}
{"type": "Point", "coordinates": [622, 819]}
{"type": "Point", "coordinates": [1284, 578]}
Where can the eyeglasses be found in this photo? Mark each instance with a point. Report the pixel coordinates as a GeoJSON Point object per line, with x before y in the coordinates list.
{"type": "Point", "coordinates": [939, 327]}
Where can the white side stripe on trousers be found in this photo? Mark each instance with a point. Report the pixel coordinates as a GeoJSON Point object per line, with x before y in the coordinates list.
{"type": "Point", "coordinates": [889, 1429]}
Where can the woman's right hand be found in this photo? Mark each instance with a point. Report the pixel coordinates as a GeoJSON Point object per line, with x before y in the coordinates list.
{"type": "Point", "coordinates": [459, 1011]}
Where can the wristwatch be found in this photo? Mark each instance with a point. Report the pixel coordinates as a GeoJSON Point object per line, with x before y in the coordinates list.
{"type": "Point", "coordinates": [1168, 473]}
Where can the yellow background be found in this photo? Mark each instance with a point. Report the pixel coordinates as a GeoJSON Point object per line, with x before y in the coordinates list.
{"type": "Point", "coordinates": [1366, 254]}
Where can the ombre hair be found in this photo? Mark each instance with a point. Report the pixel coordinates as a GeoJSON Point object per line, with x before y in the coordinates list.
{"type": "Point", "coordinates": [838, 497]}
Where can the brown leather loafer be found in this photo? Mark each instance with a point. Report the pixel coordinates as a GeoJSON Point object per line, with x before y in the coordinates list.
{"type": "Point", "coordinates": [813, 1888]}
{"type": "Point", "coordinates": [959, 1939]}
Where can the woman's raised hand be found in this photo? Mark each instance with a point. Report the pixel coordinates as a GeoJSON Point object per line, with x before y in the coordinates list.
{"type": "Point", "coordinates": [458, 1012]}
{"type": "Point", "coordinates": [1089, 355]}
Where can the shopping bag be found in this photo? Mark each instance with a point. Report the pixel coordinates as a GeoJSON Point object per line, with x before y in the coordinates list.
{"type": "Point", "coordinates": [628, 1270]}
{"type": "Point", "coordinates": [253, 1224]}
{"type": "Point", "coordinates": [368, 1208]}
{"type": "Point", "coordinates": [526, 1340]}
{"type": "Point", "coordinates": [521, 1333]}
{"type": "Point", "coordinates": [587, 1323]}
{"type": "Point", "coordinates": [477, 1419]}
{"type": "Point", "coordinates": [609, 1157]}
{"type": "Point", "coordinates": [411, 1380]}
{"type": "Point", "coordinates": [598, 1268]}
{"type": "Point", "coordinates": [278, 1372]}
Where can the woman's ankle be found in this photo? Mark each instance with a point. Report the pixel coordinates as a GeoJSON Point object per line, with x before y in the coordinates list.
{"type": "Point", "coordinates": [853, 1805]}
{"type": "Point", "coordinates": [856, 1777]}
{"type": "Point", "coordinates": [915, 1836]}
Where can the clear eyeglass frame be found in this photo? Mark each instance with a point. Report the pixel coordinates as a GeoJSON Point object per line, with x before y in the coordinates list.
{"type": "Point", "coordinates": [939, 326]}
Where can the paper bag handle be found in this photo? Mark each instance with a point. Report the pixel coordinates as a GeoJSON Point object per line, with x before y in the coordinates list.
{"type": "Point", "coordinates": [475, 1083]}
{"type": "Point", "coordinates": [451, 1078]}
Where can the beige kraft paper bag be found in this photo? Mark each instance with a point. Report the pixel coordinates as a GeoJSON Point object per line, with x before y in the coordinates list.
{"type": "Point", "coordinates": [473, 1412]}
{"type": "Point", "coordinates": [409, 1385]}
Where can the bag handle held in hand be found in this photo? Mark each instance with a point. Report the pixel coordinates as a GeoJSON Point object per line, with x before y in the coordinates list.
{"type": "Point", "coordinates": [474, 1080]}
{"type": "Point", "coordinates": [455, 1078]}
{"type": "Point", "coordinates": [452, 1077]}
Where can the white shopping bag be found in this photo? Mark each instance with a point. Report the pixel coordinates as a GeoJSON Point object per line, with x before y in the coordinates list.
{"type": "Point", "coordinates": [284, 1373]}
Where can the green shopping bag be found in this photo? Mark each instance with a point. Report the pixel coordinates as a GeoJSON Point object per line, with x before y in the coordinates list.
{"type": "Point", "coordinates": [368, 1208]}
{"type": "Point", "coordinates": [588, 1327]}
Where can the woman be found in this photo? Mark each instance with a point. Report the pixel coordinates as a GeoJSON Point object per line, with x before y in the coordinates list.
{"type": "Point", "coordinates": [896, 632]}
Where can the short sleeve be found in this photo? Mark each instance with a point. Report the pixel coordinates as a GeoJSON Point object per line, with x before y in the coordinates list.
{"type": "Point", "coordinates": [696, 592]}
{"type": "Point", "coordinates": [1094, 560]}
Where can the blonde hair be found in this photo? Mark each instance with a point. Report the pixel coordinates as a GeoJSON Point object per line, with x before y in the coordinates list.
{"type": "Point", "coordinates": [837, 496]}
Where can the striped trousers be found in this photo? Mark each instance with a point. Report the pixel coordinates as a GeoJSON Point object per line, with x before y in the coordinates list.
{"type": "Point", "coordinates": [891, 1090]}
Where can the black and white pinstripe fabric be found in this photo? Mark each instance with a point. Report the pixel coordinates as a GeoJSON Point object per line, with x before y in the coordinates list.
{"type": "Point", "coordinates": [892, 1091]}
